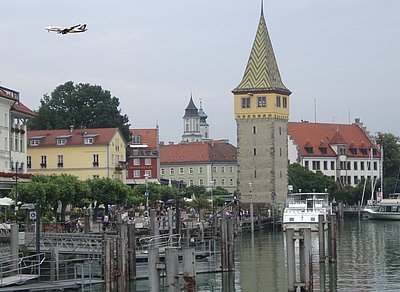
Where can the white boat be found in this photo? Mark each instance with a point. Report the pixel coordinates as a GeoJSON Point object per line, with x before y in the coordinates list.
{"type": "Point", "coordinates": [385, 209]}
{"type": "Point", "coordinates": [302, 210]}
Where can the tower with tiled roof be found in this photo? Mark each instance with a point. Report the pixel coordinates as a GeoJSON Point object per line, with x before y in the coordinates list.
{"type": "Point", "coordinates": [195, 127]}
{"type": "Point", "coordinates": [261, 107]}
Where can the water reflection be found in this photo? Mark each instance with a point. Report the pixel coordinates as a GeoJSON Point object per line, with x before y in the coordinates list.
{"type": "Point", "coordinates": [368, 259]}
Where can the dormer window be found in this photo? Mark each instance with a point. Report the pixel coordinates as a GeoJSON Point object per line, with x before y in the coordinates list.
{"type": "Point", "coordinates": [61, 141]}
{"type": "Point", "coordinates": [323, 150]}
{"type": "Point", "coordinates": [88, 140]}
{"type": "Point", "coordinates": [34, 142]}
{"type": "Point", "coordinates": [309, 148]}
{"type": "Point", "coordinates": [135, 139]}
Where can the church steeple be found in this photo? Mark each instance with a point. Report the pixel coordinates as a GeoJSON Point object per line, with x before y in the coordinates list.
{"type": "Point", "coordinates": [262, 73]}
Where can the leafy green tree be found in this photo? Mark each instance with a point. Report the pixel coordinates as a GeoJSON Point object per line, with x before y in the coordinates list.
{"type": "Point", "coordinates": [307, 180]}
{"type": "Point", "coordinates": [79, 105]}
{"type": "Point", "coordinates": [201, 202]}
{"type": "Point", "coordinates": [195, 190]}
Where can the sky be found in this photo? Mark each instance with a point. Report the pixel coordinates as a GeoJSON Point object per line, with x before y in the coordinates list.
{"type": "Point", "coordinates": [341, 59]}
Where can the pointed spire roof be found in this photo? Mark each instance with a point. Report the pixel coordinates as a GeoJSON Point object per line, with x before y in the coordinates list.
{"type": "Point", "coordinates": [262, 73]}
{"type": "Point", "coordinates": [201, 112]}
{"type": "Point", "coordinates": [191, 110]}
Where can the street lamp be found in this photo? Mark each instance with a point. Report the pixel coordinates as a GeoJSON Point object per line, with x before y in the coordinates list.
{"type": "Point", "coordinates": [16, 167]}
{"type": "Point", "coordinates": [146, 193]}
{"type": "Point", "coordinates": [251, 207]}
{"type": "Point", "coordinates": [212, 198]}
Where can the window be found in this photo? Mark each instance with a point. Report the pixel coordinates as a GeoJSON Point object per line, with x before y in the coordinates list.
{"type": "Point", "coordinates": [254, 151]}
{"type": "Point", "coordinates": [355, 179]}
{"type": "Point", "coordinates": [201, 182]}
{"type": "Point", "coordinates": [231, 181]}
{"type": "Point", "coordinates": [135, 139]}
{"type": "Point", "coordinates": [222, 169]}
{"type": "Point", "coordinates": [261, 101]}
{"type": "Point", "coordinates": [332, 165]}
{"type": "Point", "coordinates": [171, 171]}
{"type": "Point", "coordinates": [136, 161]}
{"type": "Point", "coordinates": [323, 150]}
{"type": "Point", "coordinates": [284, 101]}
{"type": "Point", "coordinates": [29, 161]}
{"type": "Point", "coordinates": [375, 165]}
{"type": "Point", "coordinates": [306, 165]}
{"type": "Point", "coordinates": [190, 170]}
{"type": "Point", "coordinates": [95, 160]}
{"type": "Point", "coordinates": [231, 169]}
{"type": "Point", "coordinates": [200, 169]}
{"type": "Point", "coordinates": [348, 166]}
{"type": "Point", "coordinates": [147, 173]}
{"type": "Point", "coordinates": [254, 130]}
{"type": "Point", "coordinates": [43, 163]}
{"type": "Point", "coordinates": [61, 141]}
{"type": "Point", "coordinates": [60, 161]}
{"type": "Point", "coordinates": [162, 170]}
{"type": "Point", "coordinates": [33, 142]}
{"type": "Point", "coordinates": [355, 165]}
{"type": "Point", "coordinates": [214, 169]}
{"type": "Point", "coordinates": [181, 170]}
{"type": "Point", "coordinates": [191, 183]}
{"type": "Point", "coordinates": [362, 165]}
{"type": "Point", "coordinates": [222, 181]}
{"type": "Point", "coordinates": [136, 173]}
{"type": "Point", "coordinates": [278, 101]}
{"type": "Point", "coordinates": [245, 102]}
{"type": "Point", "coordinates": [280, 152]}
{"type": "Point", "coordinates": [325, 165]}
{"type": "Point", "coordinates": [147, 161]}
{"type": "Point", "coordinates": [315, 165]}
{"type": "Point", "coordinates": [309, 150]}
{"type": "Point", "coordinates": [88, 140]}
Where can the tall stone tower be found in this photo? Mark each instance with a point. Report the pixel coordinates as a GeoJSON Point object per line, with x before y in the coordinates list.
{"type": "Point", "coordinates": [261, 106]}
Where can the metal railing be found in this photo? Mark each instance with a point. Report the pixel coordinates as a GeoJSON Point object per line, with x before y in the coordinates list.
{"type": "Point", "coordinates": [160, 241]}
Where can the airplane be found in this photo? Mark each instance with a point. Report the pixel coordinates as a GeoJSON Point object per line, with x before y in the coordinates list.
{"type": "Point", "coordinates": [64, 30]}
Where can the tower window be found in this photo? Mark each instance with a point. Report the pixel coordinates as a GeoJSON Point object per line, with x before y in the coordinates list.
{"type": "Point", "coordinates": [245, 102]}
{"type": "Point", "coordinates": [254, 151]}
{"type": "Point", "coordinates": [261, 101]}
{"type": "Point", "coordinates": [278, 101]}
{"type": "Point", "coordinates": [284, 101]}
{"type": "Point", "coordinates": [254, 130]}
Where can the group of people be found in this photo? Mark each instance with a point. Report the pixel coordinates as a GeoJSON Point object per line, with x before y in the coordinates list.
{"type": "Point", "coordinates": [72, 226]}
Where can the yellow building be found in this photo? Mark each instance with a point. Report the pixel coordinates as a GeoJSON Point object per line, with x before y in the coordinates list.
{"type": "Point", "coordinates": [85, 153]}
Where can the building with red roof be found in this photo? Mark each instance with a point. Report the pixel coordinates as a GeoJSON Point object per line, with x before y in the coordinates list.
{"type": "Point", "coordinates": [85, 153]}
{"type": "Point", "coordinates": [143, 156]}
{"type": "Point", "coordinates": [344, 152]}
{"type": "Point", "coordinates": [199, 163]}
{"type": "Point", "coordinates": [14, 115]}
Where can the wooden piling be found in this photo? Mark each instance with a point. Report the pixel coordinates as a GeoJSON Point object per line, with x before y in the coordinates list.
{"type": "Point", "coordinates": [231, 244]}
{"type": "Point", "coordinates": [14, 245]}
{"type": "Point", "coordinates": [172, 269]}
{"type": "Point", "coordinates": [223, 233]}
{"type": "Point", "coordinates": [170, 222]}
{"type": "Point", "coordinates": [332, 238]}
{"type": "Point", "coordinates": [321, 237]}
{"type": "Point", "coordinates": [341, 212]}
{"type": "Point", "coordinates": [107, 263]}
{"type": "Point", "coordinates": [291, 263]}
{"type": "Point", "coordinates": [154, 276]}
{"type": "Point", "coordinates": [122, 244]}
{"type": "Point", "coordinates": [189, 269]}
{"type": "Point", "coordinates": [306, 265]}
{"type": "Point", "coordinates": [131, 252]}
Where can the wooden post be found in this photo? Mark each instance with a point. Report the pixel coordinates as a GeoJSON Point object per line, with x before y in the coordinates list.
{"type": "Point", "coordinates": [341, 212]}
{"type": "Point", "coordinates": [86, 226]}
{"type": "Point", "coordinates": [107, 263]}
{"type": "Point", "coordinates": [307, 257]}
{"type": "Point", "coordinates": [170, 222]}
{"type": "Point", "coordinates": [332, 238]}
{"type": "Point", "coordinates": [122, 256]}
{"type": "Point", "coordinates": [14, 245]}
{"type": "Point", "coordinates": [359, 209]}
{"type": "Point", "coordinates": [152, 222]}
{"type": "Point", "coordinates": [54, 265]}
{"type": "Point", "coordinates": [189, 269]}
{"type": "Point", "coordinates": [132, 252]}
{"type": "Point", "coordinates": [224, 258]}
{"type": "Point", "coordinates": [154, 276]}
{"type": "Point", "coordinates": [291, 263]}
{"type": "Point", "coordinates": [321, 237]}
{"type": "Point", "coordinates": [172, 269]}
{"type": "Point", "coordinates": [231, 244]}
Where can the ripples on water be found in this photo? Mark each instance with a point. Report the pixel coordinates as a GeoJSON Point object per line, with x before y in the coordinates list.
{"type": "Point", "coordinates": [368, 259]}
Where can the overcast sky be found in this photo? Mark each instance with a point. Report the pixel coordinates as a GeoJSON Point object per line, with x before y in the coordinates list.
{"type": "Point", "coordinates": [342, 55]}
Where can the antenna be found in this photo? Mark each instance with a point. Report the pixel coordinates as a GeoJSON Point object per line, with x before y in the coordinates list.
{"type": "Point", "coordinates": [315, 110]}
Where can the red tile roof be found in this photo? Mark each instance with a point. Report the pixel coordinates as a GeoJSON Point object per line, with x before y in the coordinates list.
{"type": "Point", "coordinates": [321, 135]}
{"type": "Point", "coordinates": [196, 152]}
{"type": "Point", "coordinates": [48, 138]}
{"type": "Point", "coordinates": [20, 107]}
{"type": "Point", "coordinates": [147, 136]}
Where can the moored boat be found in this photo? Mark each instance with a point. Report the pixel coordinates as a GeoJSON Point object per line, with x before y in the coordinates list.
{"type": "Point", "coordinates": [385, 209]}
{"type": "Point", "coordinates": [303, 209]}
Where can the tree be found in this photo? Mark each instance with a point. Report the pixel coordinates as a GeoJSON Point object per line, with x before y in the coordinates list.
{"type": "Point", "coordinates": [391, 154]}
{"type": "Point", "coordinates": [307, 180]}
{"type": "Point", "coordinates": [80, 105]}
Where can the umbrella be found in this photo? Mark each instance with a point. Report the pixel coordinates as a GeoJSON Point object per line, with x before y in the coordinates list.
{"type": "Point", "coordinates": [6, 201]}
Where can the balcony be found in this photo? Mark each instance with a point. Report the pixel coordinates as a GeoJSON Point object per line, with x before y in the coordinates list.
{"type": "Point", "coordinates": [148, 153]}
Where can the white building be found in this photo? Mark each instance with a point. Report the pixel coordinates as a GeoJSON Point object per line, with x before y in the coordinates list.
{"type": "Point", "coordinates": [341, 151]}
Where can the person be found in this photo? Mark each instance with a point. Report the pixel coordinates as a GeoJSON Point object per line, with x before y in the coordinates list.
{"type": "Point", "coordinates": [105, 222]}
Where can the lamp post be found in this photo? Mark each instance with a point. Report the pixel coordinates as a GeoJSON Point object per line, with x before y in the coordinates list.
{"type": "Point", "coordinates": [16, 167]}
{"type": "Point", "coordinates": [146, 193]}
{"type": "Point", "coordinates": [212, 197]}
{"type": "Point", "coordinates": [251, 207]}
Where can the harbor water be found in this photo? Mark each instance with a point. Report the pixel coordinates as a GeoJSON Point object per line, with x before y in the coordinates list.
{"type": "Point", "coordinates": [368, 259]}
